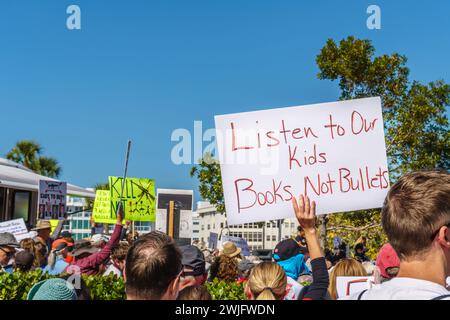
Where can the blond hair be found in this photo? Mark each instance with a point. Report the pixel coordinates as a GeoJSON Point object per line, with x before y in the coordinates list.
{"type": "Point", "coordinates": [28, 244]}
{"type": "Point", "coordinates": [267, 281]}
{"type": "Point", "coordinates": [345, 268]}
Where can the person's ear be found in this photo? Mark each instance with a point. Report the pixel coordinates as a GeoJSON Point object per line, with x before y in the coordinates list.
{"type": "Point", "coordinates": [444, 237]}
{"type": "Point", "coordinates": [186, 282]}
{"type": "Point", "coordinates": [173, 289]}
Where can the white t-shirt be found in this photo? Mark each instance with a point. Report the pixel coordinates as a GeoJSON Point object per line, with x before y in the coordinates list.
{"type": "Point", "coordinates": [294, 288]}
{"type": "Point", "coordinates": [403, 289]}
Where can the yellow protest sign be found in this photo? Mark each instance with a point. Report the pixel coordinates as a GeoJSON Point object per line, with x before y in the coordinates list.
{"type": "Point", "coordinates": [138, 198]}
{"type": "Point", "coordinates": [53, 224]}
{"type": "Point", "coordinates": [102, 212]}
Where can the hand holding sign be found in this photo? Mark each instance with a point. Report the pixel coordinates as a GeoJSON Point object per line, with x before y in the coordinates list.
{"type": "Point", "coordinates": [119, 213]}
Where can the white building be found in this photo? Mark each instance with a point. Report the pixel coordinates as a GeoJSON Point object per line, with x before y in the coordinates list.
{"type": "Point", "coordinates": [78, 218]}
{"type": "Point", "coordinates": [263, 235]}
{"type": "Point", "coordinates": [195, 226]}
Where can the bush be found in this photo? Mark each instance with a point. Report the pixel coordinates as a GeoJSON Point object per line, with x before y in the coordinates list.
{"type": "Point", "coordinates": [221, 290]}
{"type": "Point", "coordinates": [16, 286]}
{"type": "Point", "coordinates": [110, 287]}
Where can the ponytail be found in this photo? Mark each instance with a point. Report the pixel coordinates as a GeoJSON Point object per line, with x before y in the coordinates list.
{"type": "Point", "coordinates": [266, 294]}
{"type": "Point", "coordinates": [267, 281]}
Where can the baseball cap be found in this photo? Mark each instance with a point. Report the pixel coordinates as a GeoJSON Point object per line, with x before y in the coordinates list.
{"type": "Point", "coordinates": [61, 244]}
{"type": "Point", "coordinates": [193, 258]}
{"type": "Point", "coordinates": [286, 249]}
{"type": "Point", "coordinates": [387, 258]}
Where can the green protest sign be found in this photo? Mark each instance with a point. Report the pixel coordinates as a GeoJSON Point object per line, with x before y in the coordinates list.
{"type": "Point", "coordinates": [102, 212]}
{"type": "Point", "coordinates": [138, 198]}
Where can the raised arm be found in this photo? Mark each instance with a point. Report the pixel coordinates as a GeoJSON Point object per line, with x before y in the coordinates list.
{"type": "Point", "coordinates": [97, 258]}
{"type": "Point", "coordinates": [306, 216]}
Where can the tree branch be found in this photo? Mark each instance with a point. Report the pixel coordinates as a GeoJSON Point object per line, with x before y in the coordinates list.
{"type": "Point", "coordinates": [351, 228]}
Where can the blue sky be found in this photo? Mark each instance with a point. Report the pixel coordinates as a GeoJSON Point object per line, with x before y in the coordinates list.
{"type": "Point", "coordinates": [140, 69]}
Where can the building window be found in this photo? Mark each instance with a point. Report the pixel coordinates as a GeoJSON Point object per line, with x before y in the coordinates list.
{"type": "Point", "coordinates": [209, 227]}
{"type": "Point", "coordinates": [221, 225]}
{"type": "Point", "coordinates": [203, 228]}
{"type": "Point", "coordinates": [292, 225]}
{"type": "Point", "coordinates": [286, 225]}
{"type": "Point", "coordinates": [21, 205]}
{"type": "Point", "coordinates": [268, 238]}
{"type": "Point", "coordinates": [274, 238]}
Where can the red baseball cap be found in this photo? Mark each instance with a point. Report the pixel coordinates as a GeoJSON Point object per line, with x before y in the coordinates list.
{"type": "Point", "coordinates": [387, 258]}
{"type": "Point", "coordinates": [58, 242]}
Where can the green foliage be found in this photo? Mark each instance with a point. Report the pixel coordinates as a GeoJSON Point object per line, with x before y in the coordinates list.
{"type": "Point", "coordinates": [221, 290]}
{"type": "Point", "coordinates": [416, 126]}
{"type": "Point", "coordinates": [208, 174]}
{"type": "Point", "coordinates": [110, 287]}
{"type": "Point", "coordinates": [28, 153]}
{"type": "Point", "coordinates": [415, 122]}
{"type": "Point", "coordinates": [16, 286]}
{"type": "Point", "coordinates": [352, 225]}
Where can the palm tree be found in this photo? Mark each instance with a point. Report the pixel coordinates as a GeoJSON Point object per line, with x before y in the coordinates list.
{"type": "Point", "coordinates": [28, 153]}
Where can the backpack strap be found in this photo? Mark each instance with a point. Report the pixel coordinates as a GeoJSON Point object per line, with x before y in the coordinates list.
{"type": "Point", "coordinates": [361, 294]}
{"type": "Point", "coordinates": [442, 297]}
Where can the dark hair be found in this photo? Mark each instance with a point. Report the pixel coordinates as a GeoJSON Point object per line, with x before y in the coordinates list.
{"type": "Point", "coordinates": [152, 263]}
{"type": "Point", "coordinates": [416, 207]}
{"type": "Point", "coordinates": [119, 252]}
{"type": "Point", "coordinates": [194, 293]}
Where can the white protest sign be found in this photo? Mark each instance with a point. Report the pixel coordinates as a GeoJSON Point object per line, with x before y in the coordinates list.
{"type": "Point", "coordinates": [52, 199]}
{"type": "Point", "coordinates": [346, 286]}
{"type": "Point", "coordinates": [333, 152]}
{"type": "Point", "coordinates": [17, 227]}
{"type": "Point", "coordinates": [183, 202]}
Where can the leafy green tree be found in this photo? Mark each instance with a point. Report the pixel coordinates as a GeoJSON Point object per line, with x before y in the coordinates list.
{"type": "Point", "coordinates": [208, 174]}
{"type": "Point", "coordinates": [416, 128]}
{"type": "Point", "coordinates": [28, 153]}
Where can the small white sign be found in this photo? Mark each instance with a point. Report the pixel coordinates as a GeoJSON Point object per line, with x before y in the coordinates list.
{"type": "Point", "coordinates": [17, 227]}
{"type": "Point", "coordinates": [346, 286]}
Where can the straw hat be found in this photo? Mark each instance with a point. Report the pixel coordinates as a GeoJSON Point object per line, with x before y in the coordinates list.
{"type": "Point", "coordinates": [42, 224]}
{"type": "Point", "coordinates": [230, 249]}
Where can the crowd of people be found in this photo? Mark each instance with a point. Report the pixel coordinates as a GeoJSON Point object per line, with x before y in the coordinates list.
{"type": "Point", "coordinates": [414, 264]}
